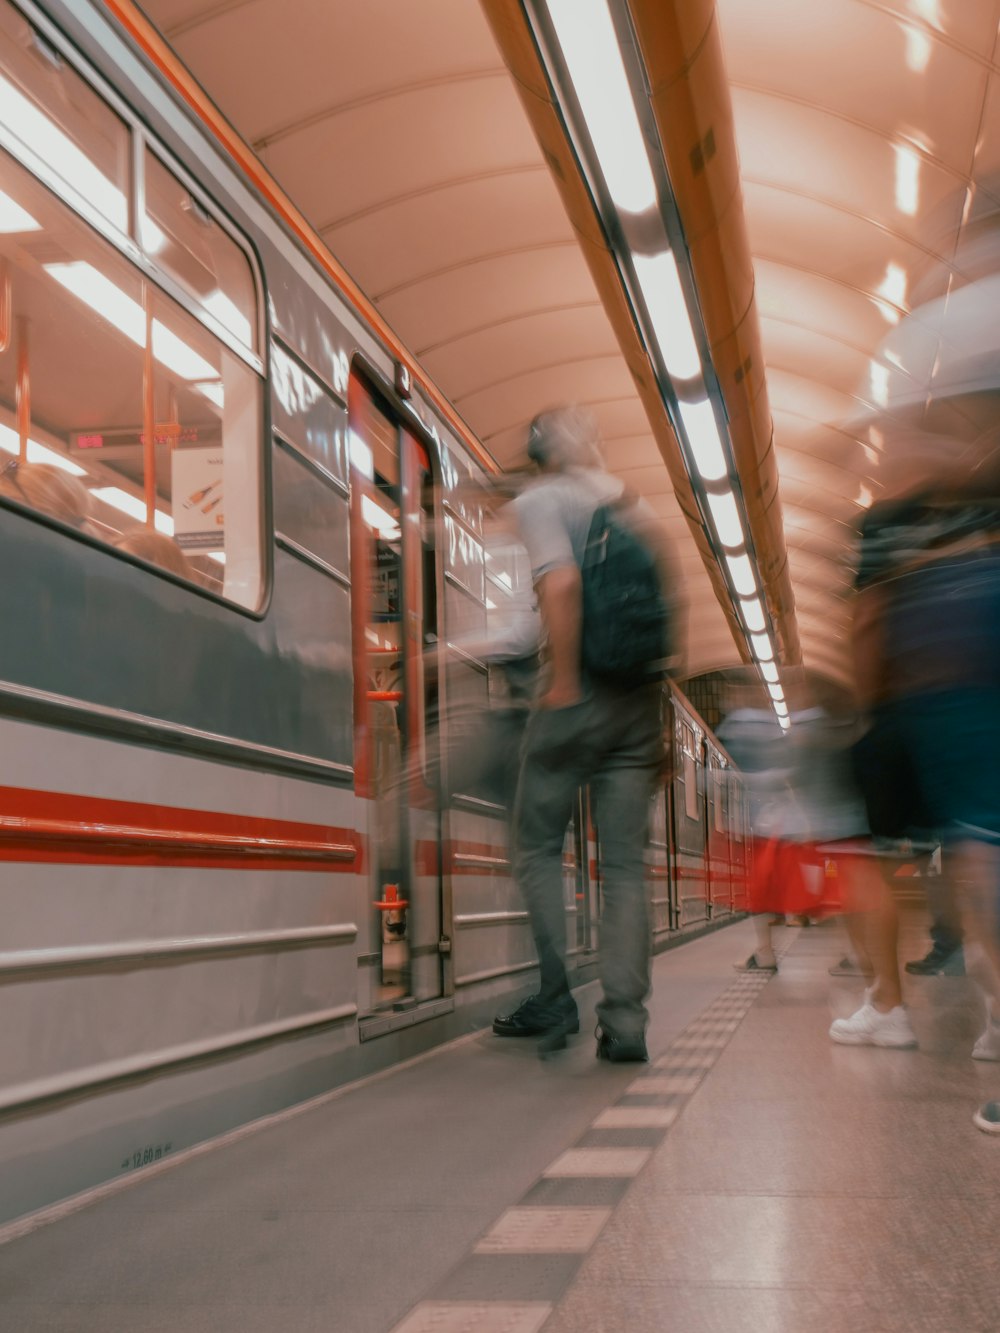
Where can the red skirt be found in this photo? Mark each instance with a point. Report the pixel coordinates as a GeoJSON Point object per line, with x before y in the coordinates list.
{"type": "Point", "coordinates": [781, 877]}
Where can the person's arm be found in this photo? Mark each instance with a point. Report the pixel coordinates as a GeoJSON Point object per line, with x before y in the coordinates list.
{"type": "Point", "coordinates": [560, 600]}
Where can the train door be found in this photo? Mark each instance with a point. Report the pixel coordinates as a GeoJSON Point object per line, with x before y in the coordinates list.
{"type": "Point", "coordinates": [394, 627]}
{"type": "Point", "coordinates": [689, 815]}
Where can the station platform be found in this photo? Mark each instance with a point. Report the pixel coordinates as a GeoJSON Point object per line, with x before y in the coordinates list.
{"type": "Point", "coordinates": [753, 1176]}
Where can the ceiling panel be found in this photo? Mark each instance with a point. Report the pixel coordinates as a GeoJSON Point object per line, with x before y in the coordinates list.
{"type": "Point", "coordinates": [866, 130]}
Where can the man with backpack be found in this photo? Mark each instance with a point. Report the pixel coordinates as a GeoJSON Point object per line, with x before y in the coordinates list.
{"type": "Point", "coordinates": [609, 627]}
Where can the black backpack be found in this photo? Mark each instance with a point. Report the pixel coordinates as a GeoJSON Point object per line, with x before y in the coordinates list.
{"type": "Point", "coordinates": [626, 638]}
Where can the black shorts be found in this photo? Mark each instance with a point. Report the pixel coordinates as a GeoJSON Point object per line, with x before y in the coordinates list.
{"type": "Point", "coordinates": [886, 775]}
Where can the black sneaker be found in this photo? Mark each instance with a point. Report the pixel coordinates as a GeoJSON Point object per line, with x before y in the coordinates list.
{"type": "Point", "coordinates": [621, 1050]}
{"type": "Point", "coordinates": [752, 965]}
{"type": "Point", "coordinates": [531, 1018]}
{"type": "Point", "coordinates": [940, 962]}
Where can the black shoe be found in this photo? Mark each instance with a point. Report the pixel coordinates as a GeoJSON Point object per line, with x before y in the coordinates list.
{"type": "Point", "coordinates": [940, 962]}
{"type": "Point", "coordinates": [531, 1018]}
{"type": "Point", "coordinates": [751, 965]}
{"type": "Point", "coordinates": [621, 1050]}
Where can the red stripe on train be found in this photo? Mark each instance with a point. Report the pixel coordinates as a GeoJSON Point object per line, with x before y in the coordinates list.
{"type": "Point", "coordinates": [92, 830]}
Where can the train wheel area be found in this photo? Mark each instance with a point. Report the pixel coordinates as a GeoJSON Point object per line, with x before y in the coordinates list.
{"type": "Point", "coordinates": [752, 1175]}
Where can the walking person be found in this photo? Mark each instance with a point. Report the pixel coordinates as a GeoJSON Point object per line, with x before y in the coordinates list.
{"type": "Point", "coordinates": [607, 627]}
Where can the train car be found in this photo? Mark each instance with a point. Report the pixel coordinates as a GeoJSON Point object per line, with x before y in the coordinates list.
{"type": "Point", "coordinates": [242, 549]}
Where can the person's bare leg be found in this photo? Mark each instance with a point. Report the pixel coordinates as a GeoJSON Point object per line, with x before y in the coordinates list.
{"type": "Point", "coordinates": [881, 939]}
{"type": "Point", "coordinates": [764, 951]}
{"type": "Point", "coordinates": [856, 925]}
{"type": "Point", "coordinates": [976, 874]}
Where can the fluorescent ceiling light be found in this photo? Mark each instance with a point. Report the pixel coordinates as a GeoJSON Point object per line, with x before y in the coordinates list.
{"type": "Point", "coordinates": [703, 437]}
{"type": "Point", "coordinates": [214, 394]}
{"type": "Point", "coordinates": [726, 518]}
{"type": "Point", "coordinates": [13, 218]}
{"type": "Point", "coordinates": [769, 671]}
{"type": "Point", "coordinates": [763, 649]}
{"type": "Point", "coordinates": [661, 290]}
{"type": "Point", "coordinates": [776, 693]}
{"type": "Point", "coordinates": [220, 556]}
{"type": "Point", "coordinates": [128, 316]}
{"type": "Point", "coordinates": [880, 383]}
{"type": "Point", "coordinates": [753, 615]}
{"type": "Point", "coordinates": [781, 708]}
{"type": "Point", "coordinates": [741, 573]}
{"type": "Point", "coordinates": [134, 507]}
{"type": "Point", "coordinates": [177, 356]}
{"type": "Point", "coordinates": [384, 523]}
{"type": "Point", "coordinates": [153, 238]}
{"type": "Point", "coordinates": [783, 721]}
{"type": "Point", "coordinates": [101, 294]}
{"type": "Point", "coordinates": [229, 316]}
{"type": "Point", "coordinates": [58, 151]}
{"type": "Point", "coordinates": [10, 442]}
{"type": "Point", "coordinates": [918, 49]}
{"type": "Point", "coordinates": [907, 179]}
{"type": "Point", "coordinates": [590, 49]}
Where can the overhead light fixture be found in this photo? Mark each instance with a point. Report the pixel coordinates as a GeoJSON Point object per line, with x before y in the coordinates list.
{"type": "Point", "coordinates": [907, 178]}
{"type": "Point", "coordinates": [753, 615]}
{"type": "Point", "coordinates": [880, 383]}
{"type": "Point", "coordinates": [229, 315]}
{"type": "Point", "coordinates": [134, 507]}
{"type": "Point", "coordinates": [763, 648]}
{"type": "Point", "coordinates": [769, 671]}
{"type": "Point", "coordinates": [702, 432]}
{"type": "Point", "coordinates": [10, 443]}
{"type": "Point", "coordinates": [726, 518]}
{"type": "Point", "coordinates": [661, 290]}
{"type": "Point", "coordinates": [14, 218]}
{"type": "Point", "coordinates": [783, 722]}
{"type": "Point", "coordinates": [590, 49]}
{"type": "Point", "coordinates": [776, 693]}
{"type": "Point", "coordinates": [58, 152]}
{"type": "Point", "coordinates": [781, 708]}
{"type": "Point", "coordinates": [108, 300]}
{"type": "Point", "coordinates": [741, 573]}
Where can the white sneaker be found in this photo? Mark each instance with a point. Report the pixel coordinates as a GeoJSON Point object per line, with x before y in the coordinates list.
{"type": "Point", "coordinates": [987, 1045]}
{"type": "Point", "coordinates": [870, 1027]}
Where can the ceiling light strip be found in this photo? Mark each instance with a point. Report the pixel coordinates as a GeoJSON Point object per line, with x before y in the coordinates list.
{"type": "Point", "coordinates": [595, 60]}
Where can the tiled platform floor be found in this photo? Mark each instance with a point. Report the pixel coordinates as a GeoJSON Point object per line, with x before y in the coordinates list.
{"type": "Point", "coordinates": [754, 1177]}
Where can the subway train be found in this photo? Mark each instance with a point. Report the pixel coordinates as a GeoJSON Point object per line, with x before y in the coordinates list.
{"type": "Point", "coordinates": [241, 546]}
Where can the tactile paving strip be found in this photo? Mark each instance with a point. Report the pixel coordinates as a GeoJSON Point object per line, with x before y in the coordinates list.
{"type": "Point", "coordinates": [534, 1249]}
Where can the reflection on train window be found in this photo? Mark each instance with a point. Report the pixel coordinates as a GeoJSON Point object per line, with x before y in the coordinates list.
{"type": "Point", "coordinates": [691, 808]}
{"type": "Point", "coordinates": [59, 119]}
{"type": "Point", "coordinates": [152, 421]}
{"type": "Point", "coordinates": [187, 242]}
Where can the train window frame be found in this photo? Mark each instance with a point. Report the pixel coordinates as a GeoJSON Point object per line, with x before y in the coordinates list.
{"type": "Point", "coordinates": [126, 243]}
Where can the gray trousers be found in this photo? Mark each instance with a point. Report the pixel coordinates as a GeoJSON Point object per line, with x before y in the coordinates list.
{"type": "Point", "coordinates": [612, 741]}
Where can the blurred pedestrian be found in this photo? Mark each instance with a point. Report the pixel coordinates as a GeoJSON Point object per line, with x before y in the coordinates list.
{"type": "Point", "coordinates": [927, 649]}
{"type": "Point", "coordinates": [753, 737]}
{"type": "Point", "coordinates": [596, 721]}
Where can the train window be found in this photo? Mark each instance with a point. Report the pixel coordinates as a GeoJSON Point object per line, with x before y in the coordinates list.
{"type": "Point", "coordinates": [61, 123]}
{"type": "Point", "coordinates": [115, 396]}
{"type": "Point", "coordinates": [183, 239]}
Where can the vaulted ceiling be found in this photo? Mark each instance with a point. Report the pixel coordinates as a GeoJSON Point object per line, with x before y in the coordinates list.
{"type": "Point", "coordinates": [865, 131]}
